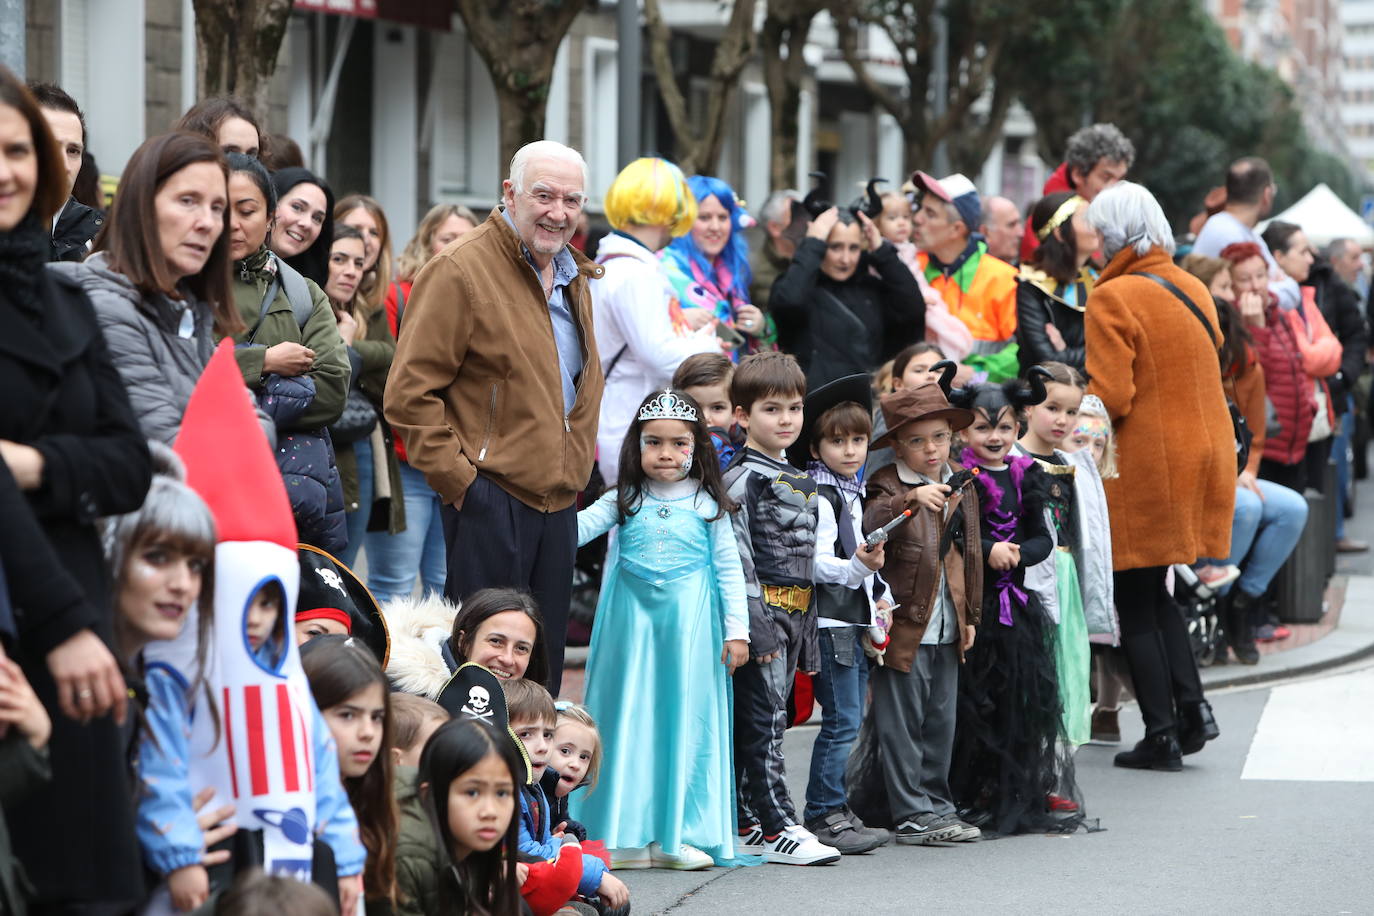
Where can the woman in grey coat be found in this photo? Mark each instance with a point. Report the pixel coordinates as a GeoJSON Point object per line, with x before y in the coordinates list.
{"type": "Point", "coordinates": [159, 277]}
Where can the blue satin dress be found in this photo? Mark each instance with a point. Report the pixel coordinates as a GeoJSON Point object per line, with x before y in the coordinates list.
{"type": "Point", "coordinates": [673, 591]}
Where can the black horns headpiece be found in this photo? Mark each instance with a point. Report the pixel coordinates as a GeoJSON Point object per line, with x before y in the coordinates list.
{"type": "Point", "coordinates": [1030, 393]}
{"type": "Point", "coordinates": [948, 369]}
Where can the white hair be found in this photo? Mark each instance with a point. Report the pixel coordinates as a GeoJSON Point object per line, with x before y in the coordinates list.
{"type": "Point", "coordinates": [778, 208]}
{"type": "Point", "coordinates": [1128, 215]}
{"type": "Point", "coordinates": [543, 149]}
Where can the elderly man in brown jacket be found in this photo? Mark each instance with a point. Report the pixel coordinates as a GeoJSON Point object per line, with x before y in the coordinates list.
{"type": "Point", "coordinates": [496, 388]}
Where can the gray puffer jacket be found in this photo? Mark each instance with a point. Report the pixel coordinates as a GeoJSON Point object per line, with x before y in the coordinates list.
{"type": "Point", "coordinates": [159, 364]}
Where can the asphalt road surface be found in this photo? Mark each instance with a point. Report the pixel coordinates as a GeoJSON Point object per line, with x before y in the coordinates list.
{"type": "Point", "coordinates": [1275, 816]}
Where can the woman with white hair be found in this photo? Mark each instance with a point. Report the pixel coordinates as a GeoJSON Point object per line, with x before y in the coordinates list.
{"type": "Point", "coordinates": [1152, 351]}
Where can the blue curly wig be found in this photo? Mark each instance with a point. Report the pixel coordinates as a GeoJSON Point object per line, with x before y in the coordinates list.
{"type": "Point", "coordinates": [735, 255]}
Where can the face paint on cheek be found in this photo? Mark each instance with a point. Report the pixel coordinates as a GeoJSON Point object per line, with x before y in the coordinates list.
{"type": "Point", "coordinates": [686, 463]}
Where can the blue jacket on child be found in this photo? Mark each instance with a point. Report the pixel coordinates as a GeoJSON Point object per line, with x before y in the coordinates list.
{"type": "Point", "coordinates": [168, 831]}
{"type": "Point", "coordinates": [537, 839]}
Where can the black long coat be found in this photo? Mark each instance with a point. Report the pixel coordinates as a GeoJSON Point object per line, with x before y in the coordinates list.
{"type": "Point", "coordinates": [63, 396]}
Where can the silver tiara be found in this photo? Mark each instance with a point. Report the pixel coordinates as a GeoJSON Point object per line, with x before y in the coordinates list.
{"type": "Point", "coordinates": [668, 406]}
{"type": "Point", "coordinates": [1092, 406]}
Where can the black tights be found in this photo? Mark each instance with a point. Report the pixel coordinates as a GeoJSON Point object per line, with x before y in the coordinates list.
{"type": "Point", "coordinates": [1155, 640]}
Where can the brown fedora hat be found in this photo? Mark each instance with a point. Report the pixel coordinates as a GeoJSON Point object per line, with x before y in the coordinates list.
{"type": "Point", "coordinates": [926, 402]}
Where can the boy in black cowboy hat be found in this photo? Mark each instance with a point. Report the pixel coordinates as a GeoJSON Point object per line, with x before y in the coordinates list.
{"type": "Point", "coordinates": [832, 447]}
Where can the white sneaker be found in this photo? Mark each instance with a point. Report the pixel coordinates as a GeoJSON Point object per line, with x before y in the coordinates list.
{"type": "Point", "coordinates": [751, 843]}
{"type": "Point", "coordinates": [630, 857]}
{"type": "Point", "coordinates": [798, 846]}
{"type": "Point", "coordinates": [688, 858]}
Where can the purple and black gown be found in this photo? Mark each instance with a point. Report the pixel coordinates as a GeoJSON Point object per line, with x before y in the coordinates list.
{"type": "Point", "coordinates": [1010, 772]}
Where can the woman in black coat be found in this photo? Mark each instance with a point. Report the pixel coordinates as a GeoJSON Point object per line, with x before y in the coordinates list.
{"type": "Point", "coordinates": [1053, 288]}
{"type": "Point", "coordinates": [842, 304]}
{"type": "Point", "coordinates": [69, 437]}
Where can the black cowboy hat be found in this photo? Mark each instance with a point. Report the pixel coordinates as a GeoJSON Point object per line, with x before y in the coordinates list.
{"type": "Point", "coordinates": [856, 388]}
{"type": "Point", "coordinates": [331, 589]}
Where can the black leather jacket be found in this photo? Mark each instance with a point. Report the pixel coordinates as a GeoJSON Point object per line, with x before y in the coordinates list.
{"type": "Point", "coordinates": [1036, 308]}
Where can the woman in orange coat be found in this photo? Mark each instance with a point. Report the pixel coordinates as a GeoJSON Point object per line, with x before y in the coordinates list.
{"type": "Point", "coordinates": [1155, 367]}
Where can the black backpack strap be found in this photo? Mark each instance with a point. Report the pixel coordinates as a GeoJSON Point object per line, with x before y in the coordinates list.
{"type": "Point", "coordinates": [1183, 297]}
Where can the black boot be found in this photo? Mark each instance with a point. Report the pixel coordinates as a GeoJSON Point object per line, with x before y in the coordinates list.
{"type": "Point", "coordinates": [1160, 752]}
{"type": "Point", "coordinates": [1197, 727]}
{"type": "Point", "coordinates": [1240, 626]}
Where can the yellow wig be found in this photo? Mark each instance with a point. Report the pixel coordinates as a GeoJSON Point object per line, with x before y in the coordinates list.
{"type": "Point", "coordinates": [651, 192]}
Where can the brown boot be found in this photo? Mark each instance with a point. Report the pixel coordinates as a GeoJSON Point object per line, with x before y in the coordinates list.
{"type": "Point", "coordinates": [1105, 728]}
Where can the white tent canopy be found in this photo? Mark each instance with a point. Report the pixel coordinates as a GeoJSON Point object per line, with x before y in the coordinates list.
{"type": "Point", "coordinates": [1324, 217]}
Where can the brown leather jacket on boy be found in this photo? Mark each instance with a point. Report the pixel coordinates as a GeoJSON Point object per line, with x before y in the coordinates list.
{"type": "Point", "coordinates": [911, 568]}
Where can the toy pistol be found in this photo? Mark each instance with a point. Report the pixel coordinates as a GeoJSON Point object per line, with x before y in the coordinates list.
{"type": "Point", "coordinates": [877, 537]}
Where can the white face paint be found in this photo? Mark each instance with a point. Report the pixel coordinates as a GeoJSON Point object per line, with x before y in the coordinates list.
{"type": "Point", "coordinates": [686, 465]}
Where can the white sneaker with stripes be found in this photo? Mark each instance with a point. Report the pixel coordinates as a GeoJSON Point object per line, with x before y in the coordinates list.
{"type": "Point", "coordinates": [798, 846]}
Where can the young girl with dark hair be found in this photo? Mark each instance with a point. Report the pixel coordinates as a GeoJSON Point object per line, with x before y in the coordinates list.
{"type": "Point", "coordinates": [465, 790]}
{"type": "Point", "coordinates": [671, 626]}
{"type": "Point", "coordinates": [1007, 774]}
{"type": "Point", "coordinates": [354, 697]}
{"type": "Point", "coordinates": [1053, 287]}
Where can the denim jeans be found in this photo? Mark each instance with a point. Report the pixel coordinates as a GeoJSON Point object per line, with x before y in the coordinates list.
{"type": "Point", "coordinates": [1340, 445]}
{"type": "Point", "coordinates": [357, 518]}
{"type": "Point", "coordinates": [394, 560]}
{"type": "Point", "coordinates": [841, 687]}
{"type": "Point", "coordinates": [1266, 529]}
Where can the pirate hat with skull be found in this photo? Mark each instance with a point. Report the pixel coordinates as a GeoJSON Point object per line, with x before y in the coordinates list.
{"type": "Point", "coordinates": [475, 693]}
{"type": "Point", "coordinates": [331, 591]}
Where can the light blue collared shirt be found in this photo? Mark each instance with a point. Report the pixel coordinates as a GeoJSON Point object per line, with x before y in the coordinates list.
{"type": "Point", "coordinates": [565, 336]}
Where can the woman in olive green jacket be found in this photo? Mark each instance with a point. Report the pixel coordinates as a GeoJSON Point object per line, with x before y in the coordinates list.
{"type": "Point", "coordinates": [292, 337]}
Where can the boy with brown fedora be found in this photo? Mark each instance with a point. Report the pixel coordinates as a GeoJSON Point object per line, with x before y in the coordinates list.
{"type": "Point", "coordinates": [935, 570]}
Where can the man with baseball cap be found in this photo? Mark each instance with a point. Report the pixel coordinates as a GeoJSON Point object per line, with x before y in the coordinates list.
{"type": "Point", "coordinates": [979, 289]}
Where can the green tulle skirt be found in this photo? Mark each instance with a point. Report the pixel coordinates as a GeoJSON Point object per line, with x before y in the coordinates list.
{"type": "Point", "coordinates": [1071, 652]}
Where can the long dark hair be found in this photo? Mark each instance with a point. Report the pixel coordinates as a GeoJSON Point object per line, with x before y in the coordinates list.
{"type": "Point", "coordinates": [313, 262]}
{"type": "Point", "coordinates": [489, 602]}
{"type": "Point", "coordinates": [632, 480]}
{"type": "Point", "coordinates": [1057, 255]}
{"type": "Point", "coordinates": [130, 236]}
{"type": "Point", "coordinates": [1235, 338]}
{"type": "Point", "coordinates": [337, 668]}
{"type": "Point", "coordinates": [485, 879]}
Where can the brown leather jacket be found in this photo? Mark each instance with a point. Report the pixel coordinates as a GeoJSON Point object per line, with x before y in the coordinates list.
{"type": "Point", "coordinates": [475, 387]}
{"type": "Point", "coordinates": [911, 568]}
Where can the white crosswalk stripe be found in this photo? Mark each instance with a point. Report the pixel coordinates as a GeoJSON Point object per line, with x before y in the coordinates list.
{"type": "Point", "coordinates": [1316, 731]}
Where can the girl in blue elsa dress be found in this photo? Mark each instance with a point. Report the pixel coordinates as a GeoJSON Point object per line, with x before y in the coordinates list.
{"type": "Point", "coordinates": [671, 627]}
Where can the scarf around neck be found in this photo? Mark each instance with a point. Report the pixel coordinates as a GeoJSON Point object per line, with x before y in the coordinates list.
{"type": "Point", "coordinates": [24, 251]}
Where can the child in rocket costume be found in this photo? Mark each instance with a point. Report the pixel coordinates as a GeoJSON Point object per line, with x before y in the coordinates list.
{"type": "Point", "coordinates": [267, 751]}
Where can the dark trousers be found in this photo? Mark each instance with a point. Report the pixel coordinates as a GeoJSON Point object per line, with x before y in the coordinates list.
{"type": "Point", "coordinates": [760, 720]}
{"type": "Point", "coordinates": [913, 713]}
{"type": "Point", "coordinates": [1155, 640]}
{"type": "Point", "coordinates": [498, 541]}
{"type": "Point", "coordinates": [1308, 473]}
